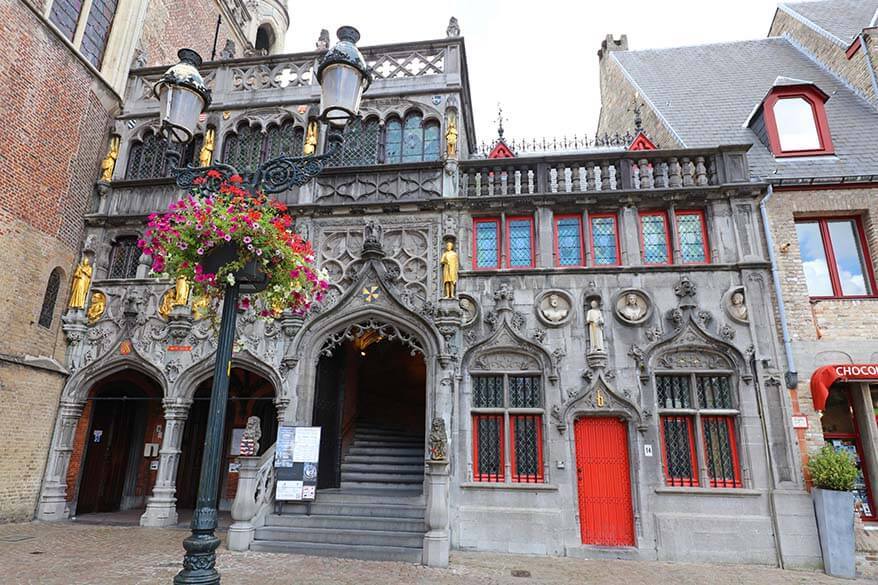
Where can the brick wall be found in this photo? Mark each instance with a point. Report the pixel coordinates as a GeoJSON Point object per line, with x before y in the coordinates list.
{"type": "Point", "coordinates": [171, 25]}
{"type": "Point", "coordinates": [832, 55]}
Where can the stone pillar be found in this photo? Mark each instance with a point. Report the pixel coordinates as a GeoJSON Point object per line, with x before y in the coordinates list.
{"type": "Point", "coordinates": [437, 541]}
{"type": "Point", "coordinates": [244, 507]}
{"type": "Point", "coordinates": [161, 510]}
{"type": "Point", "coordinates": [53, 500]}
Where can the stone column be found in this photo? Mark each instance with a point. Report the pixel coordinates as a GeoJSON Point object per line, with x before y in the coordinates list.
{"type": "Point", "coordinates": [161, 510]}
{"type": "Point", "coordinates": [437, 541]}
{"type": "Point", "coordinates": [244, 507]}
{"type": "Point", "coordinates": [53, 500]}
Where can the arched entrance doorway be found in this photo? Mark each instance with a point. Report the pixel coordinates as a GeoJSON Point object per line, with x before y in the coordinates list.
{"type": "Point", "coordinates": [249, 395]}
{"type": "Point", "coordinates": [116, 444]}
{"type": "Point", "coordinates": [370, 403]}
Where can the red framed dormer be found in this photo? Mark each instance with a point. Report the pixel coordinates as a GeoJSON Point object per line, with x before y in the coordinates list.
{"type": "Point", "coordinates": [795, 121]}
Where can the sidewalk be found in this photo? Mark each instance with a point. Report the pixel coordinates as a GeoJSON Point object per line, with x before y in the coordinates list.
{"type": "Point", "coordinates": [70, 553]}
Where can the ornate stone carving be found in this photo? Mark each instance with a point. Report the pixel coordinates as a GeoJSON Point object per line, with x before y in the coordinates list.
{"type": "Point", "coordinates": [595, 320]}
{"type": "Point", "coordinates": [250, 439]}
{"type": "Point", "coordinates": [735, 304]}
{"type": "Point", "coordinates": [385, 330]}
{"type": "Point", "coordinates": [653, 333]}
{"type": "Point", "coordinates": [690, 359]}
{"type": "Point", "coordinates": [554, 308]}
{"type": "Point", "coordinates": [539, 335]}
{"type": "Point", "coordinates": [438, 440]}
{"type": "Point", "coordinates": [470, 309]}
{"type": "Point", "coordinates": [506, 361]}
{"type": "Point", "coordinates": [632, 306]}
{"type": "Point", "coordinates": [727, 332]}
{"type": "Point", "coordinates": [453, 29]}
{"type": "Point", "coordinates": [685, 289]}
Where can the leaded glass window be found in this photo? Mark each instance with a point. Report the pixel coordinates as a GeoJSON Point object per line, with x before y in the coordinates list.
{"type": "Point", "coordinates": [411, 140]}
{"type": "Point", "coordinates": [97, 30]}
{"type": "Point", "coordinates": [431, 141]}
{"type": "Point", "coordinates": [65, 15]}
{"type": "Point", "coordinates": [513, 404]}
{"type": "Point", "coordinates": [604, 240]}
{"type": "Point", "coordinates": [487, 243]}
{"type": "Point", "coordinates": [655, 238]}
{"type": "Point", "coordinates": [47, 310]}
{"type": "Point", "coordinates": [360, 145]}
{"type": "Point", "coordinates": [697, 407]}
{"type": "Point", "coordinates": [693, 239]}
{"type": "Point", "coordinates": [520, 234]}
{"type": "Point", "coordinates": [568, 240]}
{"type": "Point", "coordinates": [243, 149]}
{"type": "Point", "coordinates": [285, 139]}
{"type": "Point", "coordinates": [146, 158]}
{"type": "Point", "coordinates": [124, 257]}
{"type": "Point", "coordinates": [393, 141]}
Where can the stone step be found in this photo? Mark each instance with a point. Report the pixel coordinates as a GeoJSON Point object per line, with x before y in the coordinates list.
{"type": "Point", "coordinates": [386, 460]}
{"type": "Point", "coordinates": [384, 538]}
{"type": "Point", "coordinates": [358, 436]}
{"type": "Point", "coordinates": [375, 467]}
{"type": "Point", "coordinates": [385, 451]}
{"type": "Point", "coordinates": [378, 477]}
{"type": "Point", "coordinates": [383, 486]}
{"type": "Point", "coordinates": [355, 509]}
{"type": "Point", "coordinates": [387, 444]}
{"type": "Point", "coordinates": [343, 551]}
{"type": "Point", "coordinates": [354, 522]}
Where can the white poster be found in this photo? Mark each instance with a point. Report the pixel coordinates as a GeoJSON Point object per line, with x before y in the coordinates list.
{"type": "Point", "coordinates": [289, 490]}
{"type": "Point", "coordinates": [307, 445]}
{"type": "Point", "coordinates": [297, 452]}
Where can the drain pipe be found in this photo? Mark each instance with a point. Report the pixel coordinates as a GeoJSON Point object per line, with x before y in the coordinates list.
{"type": "Point", "coordinates": [791, 376]}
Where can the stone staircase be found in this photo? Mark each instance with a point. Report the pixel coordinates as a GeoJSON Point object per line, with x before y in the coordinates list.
{"type": "Point", "coordinates": [376, 514]}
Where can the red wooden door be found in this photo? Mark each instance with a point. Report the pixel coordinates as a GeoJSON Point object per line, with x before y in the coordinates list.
{"type": "Point", "coordinates": [603, 475]}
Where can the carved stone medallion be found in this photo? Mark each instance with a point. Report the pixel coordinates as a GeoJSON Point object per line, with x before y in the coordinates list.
{"type": "Point", "coordinates": [632, 306]}
{"type": "Point", "coordinates": [470, 308]}
{"type": "Point", "coordinates": [554, 308]}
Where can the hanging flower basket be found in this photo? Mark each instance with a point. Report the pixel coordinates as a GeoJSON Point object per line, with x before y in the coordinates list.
{"type": "Point", "coordinates": [222, 234]}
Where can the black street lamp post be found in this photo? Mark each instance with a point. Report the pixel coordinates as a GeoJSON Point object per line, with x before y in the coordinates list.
{"type": "Point", "coordinates": [183, 96]}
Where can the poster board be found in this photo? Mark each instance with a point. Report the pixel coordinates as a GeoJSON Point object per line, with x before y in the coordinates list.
{"type": "Point", "coordinates": [295, 461]}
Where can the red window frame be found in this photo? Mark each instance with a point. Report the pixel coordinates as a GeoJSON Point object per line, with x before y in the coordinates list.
{"type": "Point", "coordinates": [477, 474]}
{"type": "Point", "coordinates": [578, 218]}
{"type": "Point", "coordinates": [693, 458]}
{"type": "Point", "coordinates": [813, 96]}
{"type": "Point", "coordinates": [858, 443]}
{"type": "Point", "coordinates": [668, 244]}
{"type": "Point", "coordinates": [507, 241]}
{"type": "Point", "coordinates": [704, 241]}
{"type": "Point", "coordinates": [476, 222]}
{"type": "Point", "coordinates": [869, 273]}
{"type": "Point", "coordinates": [515, 476]}
{"type": "Point", "coordinates": [729, 421]}
{"type": "Point", "coordinates": [615, 218]}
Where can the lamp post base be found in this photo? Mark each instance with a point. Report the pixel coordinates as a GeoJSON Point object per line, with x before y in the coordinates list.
{"type": "Point", "coordinates": [199, 564]}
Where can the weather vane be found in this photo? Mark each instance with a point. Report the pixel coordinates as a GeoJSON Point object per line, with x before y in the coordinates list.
{"type": "Point", "coordinates": [500, 121]}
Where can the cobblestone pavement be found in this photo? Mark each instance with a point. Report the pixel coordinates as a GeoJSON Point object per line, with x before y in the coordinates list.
{"type": "Point", "coordinates": [70, 553]}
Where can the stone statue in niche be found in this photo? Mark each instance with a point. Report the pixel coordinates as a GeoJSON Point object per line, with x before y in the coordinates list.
{"type": "Point", "coordinates": [595, 320]}
{"type": "Point", "coordinates": [554, 308]}
{"type": "Point", "coordinates": [438, 440]}
{"type": "Point", "coordinates": [632, 307]}
{"type": "Point", "coordinates": [738, 306]}
{"type": "Point", "coordinates": [450, 265]}
{"type": "Point", "coordinates": [251, 436]}
{"type": "Point", "coordinates": [79, 288]}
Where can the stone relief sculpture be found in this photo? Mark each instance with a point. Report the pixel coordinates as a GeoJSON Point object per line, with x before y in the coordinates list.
{"type": "Point", "coordinates": [453, 29]}
{"type": "Point", "coordinates": [595, 320]}
{"type": "Point", "coordinates": [438, 440]}
{"type": "Point", "coordinates": [469, 308]}
{"type": "Point", "coordinates": [450, 265]}
{"type": "Point", "coordinates": [737, 306]}
{"type": "Point", "coordinates": [79, 287]}
{"type": "Point", "coordinates": [632, 307]}
{"type": "Point", "coordinates": [554, 308]}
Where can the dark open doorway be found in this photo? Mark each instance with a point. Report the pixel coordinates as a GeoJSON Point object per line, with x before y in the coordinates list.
{"type": "Point", "coordinates": [366, 383]}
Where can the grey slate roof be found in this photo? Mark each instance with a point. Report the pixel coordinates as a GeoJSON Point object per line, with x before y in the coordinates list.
{"type": "Point", "coordinates": [707, 93]}
{"type": "Point", "coordinates": [843, 19]}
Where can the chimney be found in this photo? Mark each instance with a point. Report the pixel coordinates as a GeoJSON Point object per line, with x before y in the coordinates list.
{"type": "Point", "coordinates": [610, 44]}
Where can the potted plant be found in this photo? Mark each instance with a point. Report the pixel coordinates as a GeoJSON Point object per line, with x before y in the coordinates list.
{"type": "Point", "coordinates": [222, 234]}
{"type": "Point", "coordinates": [833, 473]}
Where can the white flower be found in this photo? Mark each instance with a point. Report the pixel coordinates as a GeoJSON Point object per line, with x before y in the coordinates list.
{"type": "Point", "coordinates": [230, 278]}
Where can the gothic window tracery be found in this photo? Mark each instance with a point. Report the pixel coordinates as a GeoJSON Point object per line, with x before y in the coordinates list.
{"type": "Point", "coordinates": [47, 311]}
{"type": "Point", "coordinates": [147, 156]}
{"type": "Point", "coordinates": [124, 257]}
{"type": "Point", "coordinates": [411, 140]}
{"type": "Point", "coordinates": [360, 145]}
{"type": "Point", "coordinates": [243, 149]}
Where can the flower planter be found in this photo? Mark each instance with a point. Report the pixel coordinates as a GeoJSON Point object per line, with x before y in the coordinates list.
{"type": "Point", "coordinates": [835, 524]}
{"type": "Point", "coordinates": [250, 278]}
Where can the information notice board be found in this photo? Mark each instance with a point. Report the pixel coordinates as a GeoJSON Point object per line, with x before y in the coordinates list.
{"type": "Point", "coordinates": [295, 461]}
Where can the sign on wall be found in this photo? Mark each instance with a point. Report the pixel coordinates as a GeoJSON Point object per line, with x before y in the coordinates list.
{"type": "Point", "coordinates": [295, 460]}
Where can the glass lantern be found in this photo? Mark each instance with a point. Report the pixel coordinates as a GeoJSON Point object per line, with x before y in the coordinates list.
{"type": "Point", "coordinates": [182, 96]}
{"type": "Point", "coordinates": [343, 76]}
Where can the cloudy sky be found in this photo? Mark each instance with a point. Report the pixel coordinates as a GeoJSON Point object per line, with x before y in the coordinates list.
{"type": "Point", "coordinates": [539, 59]}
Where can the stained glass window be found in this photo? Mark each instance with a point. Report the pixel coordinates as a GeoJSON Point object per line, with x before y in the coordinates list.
{"type": "Point", "coordinates": [520, 233]}
{"type": "Point", "coordinates": [431, 141]}
{"type": "Point", "coordinates": [360, 145]}
{"type": "Point", "coordinates": [487, 252]}
{"type": "Point", "coordinates": [604, 240]}
{"type": "Point", "coordinates": [47, 311]}
{"type": "Point", "coordinates": [654, 235]}
{"type": "Point", "coordinates": [124, 257]}
{"type": "Point", "coordinates": [525, 392]}
{"type": "Point", "coordinates": [568, 241]}
{"type": "Point", "coordinates": [488, 391]}
{"type": "Point", "coordinates": [393, 141]}
{"type": "Point", "coordinates": [693, 240]}
{"type": "Point", "coordinates": [412, 139]}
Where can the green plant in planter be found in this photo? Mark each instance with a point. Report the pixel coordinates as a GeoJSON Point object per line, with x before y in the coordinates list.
{"type": "Point", "coordinates": [833, 469]}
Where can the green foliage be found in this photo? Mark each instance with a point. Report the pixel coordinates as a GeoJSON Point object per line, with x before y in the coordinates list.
{"type": "Point", "coordinates": [833, 469]}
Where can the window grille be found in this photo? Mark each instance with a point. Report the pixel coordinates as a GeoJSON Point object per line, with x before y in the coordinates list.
{"type": "Point", "coordinates": [243, 149]}
{"type": "Point", "coordinates": [488, 447]}
{"type": "Point", "coordinates": [526, 440]}
{"type": "Point", "coordinates": [679, 444]}
{"type": "Point", "coordinates": [124, 258]}
{"type": "Point", "coordinates": [285, 139]}
{"type": "Point", "coordinates": [47, 311]}
{"type": "Point", "coordinates": [147, 158]}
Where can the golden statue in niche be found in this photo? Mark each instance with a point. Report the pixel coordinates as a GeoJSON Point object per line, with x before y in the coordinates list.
{"type": "Point", "coordinates": [311, 136]}
{"type": "Point", "coordinates": [450, 265]}
{"type": "Point", "coordinates": [79, 287]}
{"type": "Point", "coordinates": [205, 155]}
{"type": "Point", "coordinates": [200, 307]}
{"type": "Point", "coordinates": [167, 302]}
{"type": "Point", "coordinates": [181, 291]}
{"type": "Point", "coordinates": [108, 165]}
{"type": "Point", "coordinates": [451, 136]}
{"type": "Point", "coordinates": [97, 306]}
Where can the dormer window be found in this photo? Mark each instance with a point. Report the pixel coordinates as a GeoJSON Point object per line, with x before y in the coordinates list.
{"type": "Point", "coordinates": [791, 121]}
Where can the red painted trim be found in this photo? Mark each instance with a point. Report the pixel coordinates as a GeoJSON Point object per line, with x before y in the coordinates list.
{"type": "Point", "coordinates": [641, 142]}
{"type": "Point", "coordinates": [704, 242]}
{"type": "Point", "coordinates": [476, 222]}
{"type": "Point", "coordinates": [555, 247]}
{"type": "Point", "coordinates": [669, 248]}
{"type": "Point", "coordinates": [500, 150]}
{"type": "Point", "coordinates": [824, 377]}
{"type": "Point", "coordinates": [512, 452]}
{"type": "Point", "coordinates": [813, 96]}
{"type": "Point", "coordinates": [478, 475]}
{"type": "Point", "coordinates": [693, 460]}
{"type": "Point", "coordinates": [508, 240]}
{"type": "Point", "coordinates": [615, 219]}
{"type": "Point", "coordinates": [829, 252]}
{"type": "Point", "coordinates": [729, 421]}
{"type": "Point", "coordinates": [852, 50]}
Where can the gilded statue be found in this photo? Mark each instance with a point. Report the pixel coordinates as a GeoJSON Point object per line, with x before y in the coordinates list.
{"type": "Point", "coordinates": [79, 287]}
{"type": "Point", "coordinates": [181, 291]}
{"type": "Point", "coordinates": [205, 156]}
{"type": "Point", "coordinates": [451, 137]}
{"type": "Point", "coordinates": [450, 264]}
{"type": "Point", "coordinates": [97, 306]}
{"type": "Point", "coordinates": [108, 165]}
{"type": "Point", "coordinates": [310, 146]}
{"type": "Point", "coordinates": [200, 307]}
{"type": "Point", "coordinates": [167, 302]}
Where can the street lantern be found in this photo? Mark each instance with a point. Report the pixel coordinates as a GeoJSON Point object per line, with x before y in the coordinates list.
{"type": "Point", "coordinates": [343, 77]}
{"type": "Point", "coordinates": [182, 97]}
